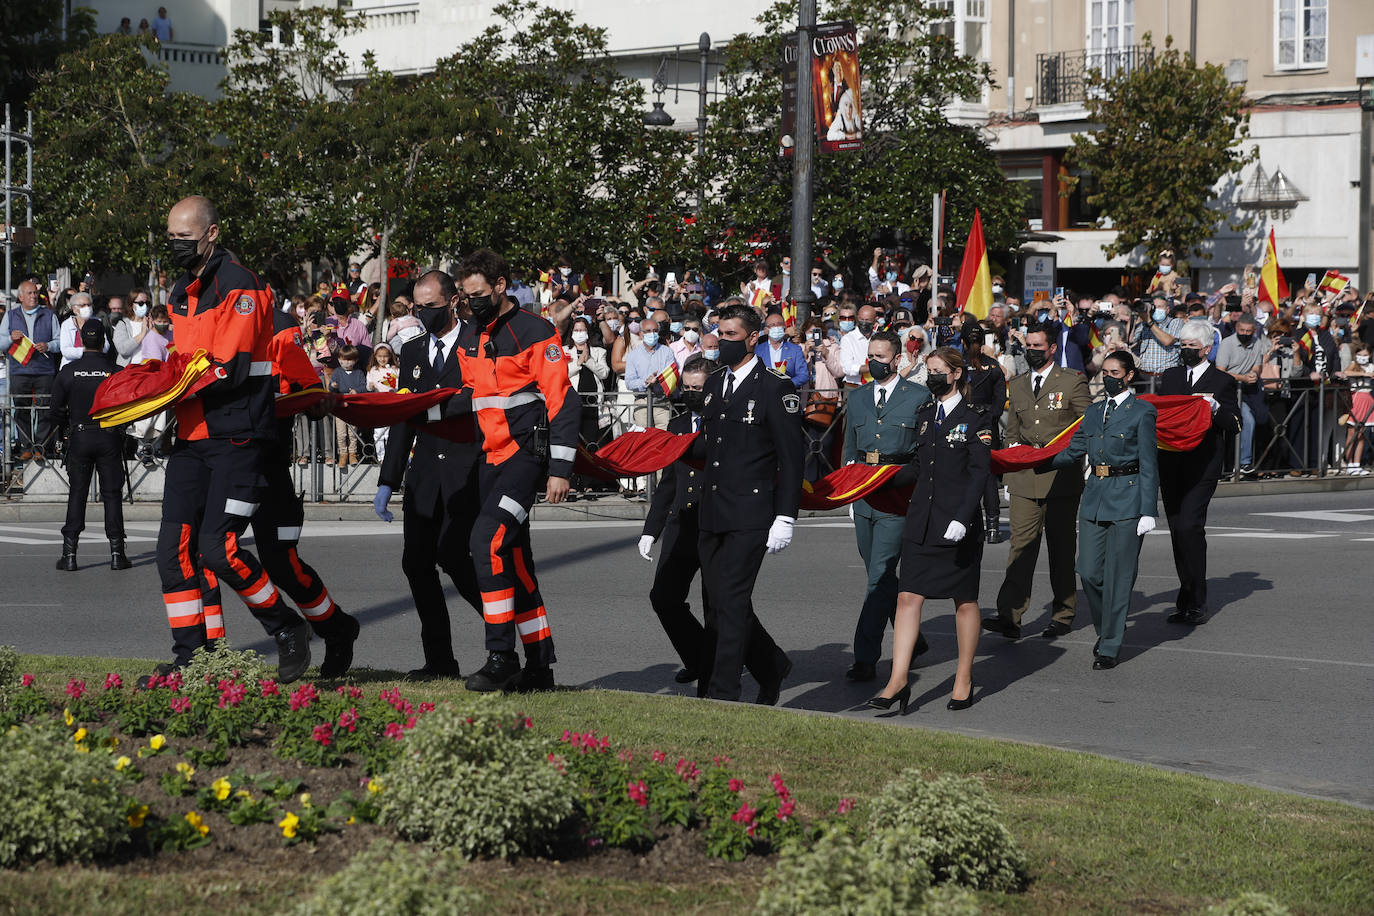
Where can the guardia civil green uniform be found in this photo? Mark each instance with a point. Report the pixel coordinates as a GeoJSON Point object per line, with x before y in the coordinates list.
{"type": "Point", "coordinates": [1118, 437]}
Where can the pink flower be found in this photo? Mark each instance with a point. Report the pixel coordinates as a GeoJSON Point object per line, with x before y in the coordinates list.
{"type": "Point", "coordinates": [753, 825]}
{"type": "Point", "coordinates": [720, 761]}
{"type": "Point", "coordinates": [529, 723]}
{"type": "Point", "coordinates": [687, 769]}
{"type": "Point", "coordinates": [26, 680]}
{"type": "Point", "coordinates": [355, 692]}
{"type": "Point", "coordinates": [745, 814]}
{"type": "Point", "coordinates": [269, 688]}
{"type": "Point", "coordinates": [349, 719]}
{"type": "Point", "coordinates": [303, 696]}
{"type": "Point", "coordinates": [172, 681]}
{"type": "Point", "coordinates": [638, 793]}
{"type": "Point", "coordinates": [231, 694]}
{"type": "Point", "coordinates": [323, 733]}
{"type": "Point", "coordinates": [625, 756]}
{"type": "Point", "coordinates": [410, 723]}
{"type": "Point", "coordinates": [113, 681]}
{"type": "Point", "coordinates": [780, 787]}
{"type": "Point", "coordinates": [394, 731]}
{"type": "Point", "coordinates": [736, 785]}
{"type": "Point", "coordinates": [75, 688]}
{"type": "Point", "coordinates": [659, 756]}
{"type": "Point", "coordinates": [845, 806]}
{"type": "Point", "coordinates": [179, 704]}
{"type": "Point", "coordinates": [785, 809]}
{"type": "Point", "coordinates": [426, 707]}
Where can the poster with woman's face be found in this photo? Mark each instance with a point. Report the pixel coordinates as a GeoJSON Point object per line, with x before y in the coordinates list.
{"type": "Point", "coordinates": [839, 112]}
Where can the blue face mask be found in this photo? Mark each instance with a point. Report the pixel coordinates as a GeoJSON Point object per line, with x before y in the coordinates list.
{"type": "Point", "coordinates": [651, 339]}
{"type": "Point", "coordinates": [32, 311]}
{"type": "Point", "coordinates": [675, 327]}
{"type": "Point", "coordinates": [1042, 315]}
{"type": "Point", "coordinates": [776, 333]}
{"type": "Point", "coordinates": [711, 354]}
{"type": "Point", "coordinates": [1312, 321]}
{"type": "Point", "coordinates": [1159, 314]}
{"type": "Point", "coordinates": [891, 275]}
{"type": "Point", "coordinates": [837, 283]}
{"type": "Point", "coordinates": [846, 326]}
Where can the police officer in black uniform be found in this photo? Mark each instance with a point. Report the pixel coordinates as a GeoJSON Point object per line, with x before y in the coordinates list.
{"type": "Point", "coordinates": [753, 448]}
{"type": "Point", "coordinates": [440, 500]}
{"type": "Point", "coordinates": [89, 447]}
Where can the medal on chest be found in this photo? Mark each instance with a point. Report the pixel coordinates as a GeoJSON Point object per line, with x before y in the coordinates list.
{"type": "Point", "coordinates": [749, 413]}
{"type": "Point", "coordinates": [958, 434]}
{"type": "Point", "coordinates": [925, 424]}
{"type": "Point", "coordinates": [1056, 400]}
{"type": "Point", "coordinates": [415, 372]}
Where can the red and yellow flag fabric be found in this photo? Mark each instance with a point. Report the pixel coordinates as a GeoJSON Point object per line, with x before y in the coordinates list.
{"type": "Point", "coordinates": [1272, 287]}
{"type": "Point", "coordinates": [1333, 282]}
{"type": "Point", "coordinates": [22, 350]}
{"type": "Point", "coordinates": [974, 289]}
{"type": "Point", "coordinates": [789, 313]}
{"type": "Point", "coordinates": [668, 379]}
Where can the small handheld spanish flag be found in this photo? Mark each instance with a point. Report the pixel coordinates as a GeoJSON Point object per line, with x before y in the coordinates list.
{"type": "Point", "coordinates": [22, 350]}
{"type": "Point", "coordinates": [1333, 282]}
{"type": "Point", "coordinates": [668, 379]}
{"type": "Point", "coordinates": [789, 313]}
{"type": "Point", "coordinates": [758, 297]}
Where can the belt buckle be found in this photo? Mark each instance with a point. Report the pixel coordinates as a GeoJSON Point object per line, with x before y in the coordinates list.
{"type": "Point", "coordinates": [1102, 470]}
{"type": "Point", "coordinates": [872, 457]}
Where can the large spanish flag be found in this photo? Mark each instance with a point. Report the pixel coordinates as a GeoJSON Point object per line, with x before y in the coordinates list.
{"type": "Point", "coordinates": [1272, 287]}
{"type": "Point", "coordinates": [974, 289]}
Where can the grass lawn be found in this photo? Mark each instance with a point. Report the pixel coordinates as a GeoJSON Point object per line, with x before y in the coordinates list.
{"type": "Point", "coordinates": [1100, 835]}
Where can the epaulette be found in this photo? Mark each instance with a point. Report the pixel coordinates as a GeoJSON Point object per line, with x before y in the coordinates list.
{"type": "Point", "coordinates": [980, 409]}
{"type": "Point", "coordinates": [779, 373]}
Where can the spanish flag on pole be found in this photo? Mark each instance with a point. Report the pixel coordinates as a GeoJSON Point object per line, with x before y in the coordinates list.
{"type": "Point", "coordinates": [974, 288]}
{"type": "Point", "coordinates": [1272, 286]}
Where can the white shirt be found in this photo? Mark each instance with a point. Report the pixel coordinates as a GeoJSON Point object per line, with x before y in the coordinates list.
{"type": "Point", "coordinates": [69, 336]}
{"type": "Point", "coordinates": [448, 341]}
{"type": "Point", "coordinates": [889, 386]}
{"type": "Point", "coordinates": [853, 355]}
{"type": "Point", "coordinates": [742, 372]}
{"type": "Point", "coordinates": [1043, 375]}
{"type": "Point", "coordinates": [1120, 398]}
{"type": "Point", "coordinates": [1195, 373]}
{"type": "Point", "coordinates": [949, 405]}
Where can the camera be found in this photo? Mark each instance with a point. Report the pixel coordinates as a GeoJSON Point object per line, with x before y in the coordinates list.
{"type": "Point", "coordinates": [1142, 306]}
{"type": "Point", "coordinates": [1233, 302]}
{"type": "Point", "coordinates": [943, 321]}
{"type": "Point", "coordinates": [815, 335]}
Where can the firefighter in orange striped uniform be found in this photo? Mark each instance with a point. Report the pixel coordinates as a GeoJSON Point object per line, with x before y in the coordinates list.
{"type": "Point", "coordinates": [215, 477]}
{"type": "Point", "coordinates": [516, 382]}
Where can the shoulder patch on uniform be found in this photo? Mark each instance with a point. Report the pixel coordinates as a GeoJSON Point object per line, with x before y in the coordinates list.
{"type": "Point", "coordinates": [553, 353]}
{"type": "Point", "coordinates": [791, 402]}
{"type": "Point", "coordinates": [985, 436]}
{"type": "Point", "coordinates": [245, 305]}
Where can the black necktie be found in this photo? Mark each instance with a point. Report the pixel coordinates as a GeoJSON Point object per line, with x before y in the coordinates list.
{"type": "Point", "coordinates": [1036, 386]}
{"type": "Point", "coordinates": [882, 398]}
{"type": "Point", "coordinates": [1107, 414]}
{"type": "Point", "coordinates": [439, 357]}
{"type": "Point", "coordinates": [729, 384]}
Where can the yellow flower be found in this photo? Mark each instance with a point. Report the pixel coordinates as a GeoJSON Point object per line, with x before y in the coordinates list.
{"type": "Point", "coordinates": [186, 770]}
{"type": "Point", "coordinates": [288, 825]}
{"type": "Point", "coordinates": [350, 820]}
{"type": "Point", "coordinates": [68, 717]}
{"type": "Point", "coordinates": [374, 786]}
{"type": "Point", "coordinates": [305, 799]}
{"type": "Point", "coordinates": [81, 748]}
{"type": "Point", "coordinates": [156, 742]}
{"type": "Point", "coordinates": [197, 822]}
{"type": "Point", "coordinates": [79, 735]}
{"type": "Point", "coordinates": [137, 814]}
{"type": "Point", "coordinates": [244, 793]}
{"type": "Point", "coordinates": [122, 764]}
{"type": "Point", "coordinates": [222, 788]}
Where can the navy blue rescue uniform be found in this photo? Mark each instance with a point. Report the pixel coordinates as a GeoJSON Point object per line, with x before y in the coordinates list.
{"type": "Point", "coordinates": [89, 448]}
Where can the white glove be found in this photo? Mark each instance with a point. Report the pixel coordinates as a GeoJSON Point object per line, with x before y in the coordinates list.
{"type": "Point", "coordinates": [646, 544]}
{"type": "Point", "coordinates": [780, 535]}
{"type": "Point", "coordinates": [955, 532]}
{"type": "Point", "coordinates": [1211, 402]}
{"type": "Point", "coordinates": [1145, 525]}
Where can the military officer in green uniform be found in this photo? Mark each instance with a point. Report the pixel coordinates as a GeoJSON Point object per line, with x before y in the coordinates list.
{"type": "Point", "coordinates": [880, 428]}
{"type": "Point", "coordinates": [1045, 402]}
{"type": "Point", "coordinates": [1118, 505]}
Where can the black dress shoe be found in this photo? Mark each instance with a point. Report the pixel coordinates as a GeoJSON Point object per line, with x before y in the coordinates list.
{"type": "Point", "coordinates": [501, 672]}
{"type": "Point", "coordinates": [994, 530]}
{"type": "Point", "coordinates": [1005, 627]}
{"type": "Point", "coordinates": [1056, 629]}
{"type": "Point", "coordinates": [685, 676]}
{"type": "Point", "coordinates": [902, 699]}
{"type": "Point", "coordinates": [770, 692]}
{"type": "Point", "coordinates": [532, 679]}
{"type": "Point", "coordinates": [1103, 662]}
{"type": "Point", "coordinates": [430, 672]}
{"type": "Point", "coordinates": [861, 671]}
{"type": "Point", "coordinates": [965, 703]}
{"type": "Point", "coordinates": [338, 648]}
{"type": "Point", "coordinates": [293, 652]}
{"type": "Point", "coordinates": [1189, 618]}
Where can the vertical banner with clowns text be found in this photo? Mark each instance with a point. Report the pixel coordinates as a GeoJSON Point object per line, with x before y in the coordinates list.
{"type": "Point", "coordinates": [834, 88]}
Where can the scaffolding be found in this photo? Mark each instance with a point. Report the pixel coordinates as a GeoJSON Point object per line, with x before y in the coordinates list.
{"type": "Point", "coordinates": [17, 238]}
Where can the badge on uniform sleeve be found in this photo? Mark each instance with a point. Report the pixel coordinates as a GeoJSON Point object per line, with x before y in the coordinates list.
{"type": "Point", "coordinates": [245, 305]}
{"type": "Point", "coordinates": [791, 403]}
{"type": "Point", "coordinates": [925, 424]}
{"type": "Point", "coordinates": [553, 353]}
{"type": "Point", "coordinates": [707, 402]}
{"type": "Point", "coordinates": [985, 436]}
{"type": "Point", "coordinates": [1056, 400]}
{"type": "Point", "coordinates": [415, 372]}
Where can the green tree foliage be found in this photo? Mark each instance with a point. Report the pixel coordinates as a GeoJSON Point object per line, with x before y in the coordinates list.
{"type": "Point", "coordinates": [911, 151]}
{"type": "Point", "coordinates": [31, 40]}
{"type": "Point", "coordinates": [1171, 130]}
{"type": "Point", "coordinates": [112, 149]}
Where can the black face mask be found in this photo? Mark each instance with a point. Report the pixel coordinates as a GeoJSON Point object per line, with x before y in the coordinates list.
{"type": "Point", "coordinates": [865, 327]}
{"type": "Point", "coordinates": [185, 253]}
{"type": "Point", "coordinates": [938, 383]}
{"type": "Point", "coordinates": [879, 370]}
{"type": "Point", "coordinates": [435, 321]}
{"type": "Point", "coordinates": [1189, 357]}
{"type": "Point", "coordinates": [1036, 359]}
{"type": "Point", "coordinates": [694, 399]}
{"type": "Point", "coordinates": [1113, 385]}
{"type": "Point", "coordinates": [484, 309]}
{"type": "Point", "coordinates": [1245, 339]}
{"type": "Point", "coordinates": [733, 352]}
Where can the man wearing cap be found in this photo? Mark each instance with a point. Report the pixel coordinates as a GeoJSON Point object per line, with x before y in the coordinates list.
{"type": "Point", "coordinates": [89, 447]}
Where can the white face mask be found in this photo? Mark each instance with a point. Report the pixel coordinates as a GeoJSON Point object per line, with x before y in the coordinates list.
{"type": "Point", "coordinates": [613, 324]}
{"type": "Point", "coordinates": [579, 337]}
{"type": "Point", "coordinates": [140, 309]}
{"type": "Point", "coordinates": [83, 312]}
{"type": "Point", "coordinates": [996, 288]}
{"type": "Point", "coordinates": [690, 336]}
{"type": "Point", "coordinates": [1362, 359]}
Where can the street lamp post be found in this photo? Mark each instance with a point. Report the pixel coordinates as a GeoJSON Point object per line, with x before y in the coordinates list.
{"type": "Point", "coordinates": [1366, 179]}
{"type": "Point", "coordinates": [802, 156]}
{"type": "Point", "coordinates": [704, 47]}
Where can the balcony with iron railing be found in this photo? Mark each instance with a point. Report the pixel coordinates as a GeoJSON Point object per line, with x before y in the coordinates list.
{"type": "Point", "coordinates": [1061, 77]}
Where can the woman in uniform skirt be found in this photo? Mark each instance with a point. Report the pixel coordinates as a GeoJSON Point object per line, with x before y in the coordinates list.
{"type": "Point", "coordinates": [942, 546]}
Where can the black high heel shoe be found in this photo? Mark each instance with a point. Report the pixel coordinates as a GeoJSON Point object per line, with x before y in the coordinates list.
{"type": "Point", "coordinates": [965, 703]}
{"type": "Point", "coordinates": [903, 698]}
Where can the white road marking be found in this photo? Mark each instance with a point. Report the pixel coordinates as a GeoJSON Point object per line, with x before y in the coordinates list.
{"type": "Point", "coordinates": [1274, 535]}
{"type": "Point", "coordinates": [1337, 515]}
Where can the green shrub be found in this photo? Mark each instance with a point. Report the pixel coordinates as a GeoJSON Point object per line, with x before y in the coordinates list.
{"type": "Point", "coordinates": [1250, 903]}
{"type": "Point", "coordinates": [839, 874]}
{"type": "Point", "coordinates": [390, 879]}
{"type": "Point", "coordinates": [59, 803]}
{"type": "Point", "coordinates": [475, 778]}
{"type": "Point", "coordinates": [950, 900]}
{"type": "Point", "coordinates": [218, 661]}
{"type": "Point", "coordinates": [961, 832]}
{"type": "Point", "coordinates": [9, 679]}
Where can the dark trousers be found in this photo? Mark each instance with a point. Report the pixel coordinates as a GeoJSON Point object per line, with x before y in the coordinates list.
{"type": "Point", "coordinates": [276, 532]}
{"type": "Point", "coordinates": [95, 450]}
{"type": "Point", "coordinates": [678, 564]}
{"type": "Point", "coordinates": [32, 422]}
{"type": "Point", "coordinates": [500, 547]}
{"type": "Point", "coordinates": [1108, 560]}
{"type": "Point", "coordinates": [880, 545]}
{"type": "Point", "coordinates": [1186, 498]}
{"type": "Point", "coordinates": [730, 562]}
{"type": "Point", "coordinates": [436, 535]}
{"type": "Point", "coordinates": [213, 488]}
{"type": "Point", "coordinates": [1057, 521]}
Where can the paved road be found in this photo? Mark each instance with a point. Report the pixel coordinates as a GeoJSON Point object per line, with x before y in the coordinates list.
{"type": "Point", "coordinates": [1275, 689]}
